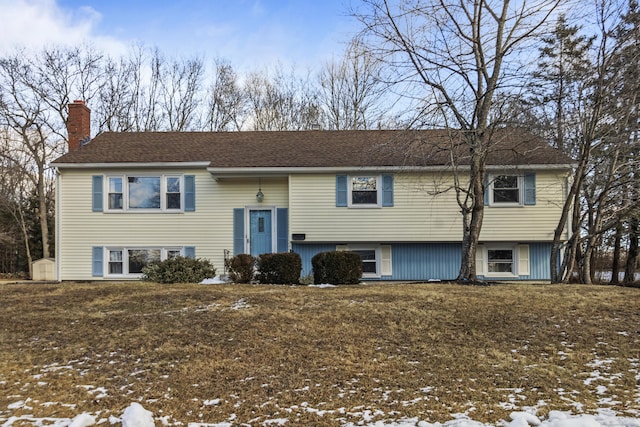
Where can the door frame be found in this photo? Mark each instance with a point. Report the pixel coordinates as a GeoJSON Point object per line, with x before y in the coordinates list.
{"type": "Point", "coordinates": [247, 226]}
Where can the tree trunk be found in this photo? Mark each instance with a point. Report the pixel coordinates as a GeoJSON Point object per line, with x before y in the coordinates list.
{"type": "Point", "coordinates": [472, 222]}
{"type": "Point", "coordinates": [615, 262]}
{"type": "Point", "coordinates": [43, 211]}
{"type": "Point", "coordinates": [19, 216]}
{"type": "Point", "coordinates": [632, 252]}
{"type": "Point", "coordinates": [586, 273]}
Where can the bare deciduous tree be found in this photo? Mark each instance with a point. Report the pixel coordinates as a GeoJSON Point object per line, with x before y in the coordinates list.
{"type": "Point", "coordinates": [226, 103]}
{"type": "Point", "coordinates": [351, 90]}
{"type": "Point", "coordinates": [455, 56]}
{"type": "Point", "coordinates": [281, 101]}
{"type": "Point", "coordinates": [180, 90]}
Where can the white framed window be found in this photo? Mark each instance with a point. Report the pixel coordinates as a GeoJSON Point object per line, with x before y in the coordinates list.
{"type": "Point", "coordinates": [503, 260]}
{"type": "Point", "coordinates": [506, 190]}
{"type": "Point", "coordinates": [129, 261]}
{"type": "Point", "coordinates": [114, 193]}
{"type": "Point", "coordinates": [364, 190]}
{"type": "Point", "coordinates": [511, 189]}
{"type": "Point", "coordinates": [370, 262]}
{"type": "Point", "coordinates": [376, 259]}
{"type": "Point", "coordinates": [144, 193]}
{"type": "Point", "coordinates": [500, 261]}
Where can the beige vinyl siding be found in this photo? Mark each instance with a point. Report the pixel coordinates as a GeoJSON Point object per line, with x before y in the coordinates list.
{"type": "Point", "coordinates": [425, 210]}
{"type": "Point", "coordinates": [415, 216]}
{"type": "Point", "coordinates": [527, 223]}
{"type": "Point", "coordinates": [209, 228]}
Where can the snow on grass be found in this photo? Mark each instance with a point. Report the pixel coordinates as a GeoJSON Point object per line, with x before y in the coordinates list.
{"type": "Point", "coordinates": [599, 379]}
{"type": "Point", "coordinates": [135, 415]}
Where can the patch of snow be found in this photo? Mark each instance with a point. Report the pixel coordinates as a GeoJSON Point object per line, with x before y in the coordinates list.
{"type": "Point", "coordinates": [276, 421]}
{"type": "Point", "coordinates": [218, 280]}
{"type": "Point", "coordinates": [83, 420]}
{"type": "Point", "coordinates": [240, 304]}
{"type": "Point", "coordinates": [136, 416]}
{"type": "Point", "coordinates": [323, 285]}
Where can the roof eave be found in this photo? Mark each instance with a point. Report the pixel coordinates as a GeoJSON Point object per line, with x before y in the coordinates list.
{"type": "Point", "coordinates": [240, 172]}
{"type": "Point", "coordinates": [136, 165]}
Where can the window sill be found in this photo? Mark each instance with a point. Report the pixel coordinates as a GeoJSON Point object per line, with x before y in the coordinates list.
{"type": "Point", "coordinates": [143, 211]}
{"type": "Point", "coordinates": [365, 206]}
{"type": "Point", "coordinates": [505, 205]}
{"type": "Point", "coordinates": [500, 275]}
{"type": "Point", "coordinates": [123, 276]}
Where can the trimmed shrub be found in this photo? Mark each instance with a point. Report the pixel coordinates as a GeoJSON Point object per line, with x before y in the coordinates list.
{"type": "Point", "coordinates": [280, 269]}
{"type": "Point", "coordinates": [241, 268]}
{"type": "Point", "coordinates": [178, 270]}
{"type": "Point", "coordinates": [337, 268]}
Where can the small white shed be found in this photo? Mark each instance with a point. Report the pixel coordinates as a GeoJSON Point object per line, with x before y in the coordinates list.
{"type": "Point", "coordinates": [43, 270]}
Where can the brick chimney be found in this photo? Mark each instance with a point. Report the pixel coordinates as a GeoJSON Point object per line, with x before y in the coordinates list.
{"type": "Point", "coordinates": [78, 125]}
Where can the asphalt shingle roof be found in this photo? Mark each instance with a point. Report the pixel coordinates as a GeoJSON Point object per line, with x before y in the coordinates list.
{"type": "Point", "coordinates": [306, 149]}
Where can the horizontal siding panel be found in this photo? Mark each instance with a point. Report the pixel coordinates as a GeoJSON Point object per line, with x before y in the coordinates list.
{"type": "Point", "coordinates": [415, 215]}
{"type": "Point", "coordinates": [527, 223]}
{"type": "Point", "coordinates": [418, 215]}
{"type": "Point", "coordinates": [209, 229]}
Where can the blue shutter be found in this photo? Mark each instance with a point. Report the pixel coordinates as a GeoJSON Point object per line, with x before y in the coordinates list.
{"type": "Point", "coordinates": [97, 269]}
{"type": "Point", "coordinates": [238, 231]}
{"type": "Point", "coordinates": [387, 190]}
{"type": "Point", "coordinates": [96, 203]}
{"type": "Point", "coordinates": [341, 190]}
{"type": "Point", "coordinates": [190, 251]}
{"type": "Point", "coordinates": [282, 218]}
{"type": "Point", "coordinates": [189, 193]}
{"type": "Point", "coordinates": [530, 189]}
{"type": "Point", "coordinates": [486, 190]}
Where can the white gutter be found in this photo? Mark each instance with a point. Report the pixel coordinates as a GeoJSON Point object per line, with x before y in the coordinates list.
{"type": "Point", "coordinates": [284, 171]}
{"type": "Point", "coordinates": [137, 165]}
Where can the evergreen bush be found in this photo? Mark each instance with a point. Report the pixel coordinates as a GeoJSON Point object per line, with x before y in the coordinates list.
{"type": "Point", "coordinates": [178, 270]}
{"type": "Point", "coordinates": [241, 268]}
{"type": "Point", "coordinates": [337, 268]}
{"type": "Point", "coordinates": [280, 269]}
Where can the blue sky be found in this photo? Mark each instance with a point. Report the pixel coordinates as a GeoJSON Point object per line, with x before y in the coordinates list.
{"type": "Point", "coordinates": [249, 33]}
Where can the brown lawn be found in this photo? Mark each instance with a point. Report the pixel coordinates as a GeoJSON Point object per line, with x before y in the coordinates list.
{"type": "Point", "coordinates": [249, 354]}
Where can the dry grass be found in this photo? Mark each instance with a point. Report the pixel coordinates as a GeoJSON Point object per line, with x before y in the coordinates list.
{"type": "Point", "coordinates": [315, 356]}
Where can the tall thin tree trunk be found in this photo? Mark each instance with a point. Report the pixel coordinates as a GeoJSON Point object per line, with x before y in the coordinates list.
{"type": "Point", "coordinates": [43, 211]}
{"type": "Point", "coordinates": [632, 252]}
{"type": "Point", "coordinates": [615, 262]}
{"type": "Point", "coordinates": [472, 223]}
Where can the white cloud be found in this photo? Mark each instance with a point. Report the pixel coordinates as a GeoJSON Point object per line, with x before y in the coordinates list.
{"type": "Point", "coordinates": [33, 24]}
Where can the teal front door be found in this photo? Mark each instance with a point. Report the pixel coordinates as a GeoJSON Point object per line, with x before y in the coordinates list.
{"type": "Point", "coordinates": [260, 238]}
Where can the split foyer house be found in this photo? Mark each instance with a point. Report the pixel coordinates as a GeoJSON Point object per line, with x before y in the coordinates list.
{"type": "Point", "coordinates": [125, 199]}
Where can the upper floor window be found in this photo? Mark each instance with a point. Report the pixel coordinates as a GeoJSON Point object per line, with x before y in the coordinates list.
{"type": "Point", "coordinates": [511, 190]}
{"type": "Point", "coordinates": [115, 193]}
{"type": "Point", "coordinates": [506, 189]}
{"type": "Point", "coordinates": [364, 190]}
{"type": "Point", "coordinates": [160, 193]}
